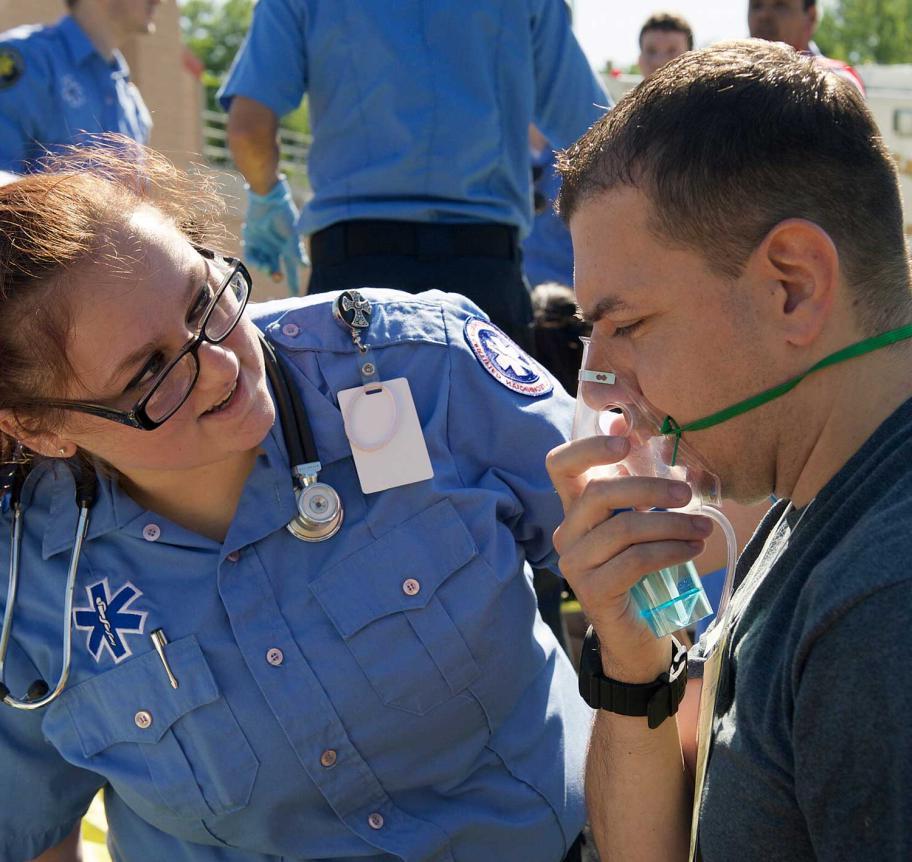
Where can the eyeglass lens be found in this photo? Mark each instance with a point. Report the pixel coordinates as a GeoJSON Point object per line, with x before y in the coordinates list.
{"type": "Point", "coordinates": [173, 389]}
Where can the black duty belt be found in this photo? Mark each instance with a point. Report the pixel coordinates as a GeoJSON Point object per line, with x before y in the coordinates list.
{"type": "Point", "coordinates": [374, 237]}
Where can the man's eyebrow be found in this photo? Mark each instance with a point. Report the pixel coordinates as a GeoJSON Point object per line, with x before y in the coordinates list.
{"type": "Point", "coordinates": [606, 305]}
{"type": "Point", "coordinates": [144, 350]}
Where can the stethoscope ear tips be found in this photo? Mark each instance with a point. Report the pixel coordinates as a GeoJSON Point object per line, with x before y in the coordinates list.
{"type": "Point", "coordinates": [319, 513]}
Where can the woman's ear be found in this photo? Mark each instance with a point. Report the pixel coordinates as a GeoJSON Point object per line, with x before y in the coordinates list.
{"type": "Point", "coordinates": [43, 443]}
{"type": "Point", "coordinates": [800, 265]}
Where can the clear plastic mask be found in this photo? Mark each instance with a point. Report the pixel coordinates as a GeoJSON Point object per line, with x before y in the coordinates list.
{"type": "Point", "coordinates": [672, 598]}
{"type": "Point", "coordinates": [607, 404]}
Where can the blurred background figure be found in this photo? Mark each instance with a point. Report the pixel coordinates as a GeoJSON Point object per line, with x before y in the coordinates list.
{"type": "Point", "coordinates": [663, 37]}
{"type": "Point", "coordinates": [420, 156]}
{"type": "Point", "coordinates": [62, 83]}
{"type": "Point", "coordinates": [794, 22]}
{"type": "Point", "coordinates": [547, 250]}
{"type": "Point", "coordinates": [558, 329]}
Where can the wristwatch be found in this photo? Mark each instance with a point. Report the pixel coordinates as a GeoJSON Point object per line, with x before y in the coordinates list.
{"type": "Point", "coordinates": [657, 700]}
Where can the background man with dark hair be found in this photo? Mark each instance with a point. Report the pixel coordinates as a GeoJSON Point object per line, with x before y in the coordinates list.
{"type": "Point", "coordinates": [739, 249]}
{"type": "Point", "coordinates": [794, 22]}
{"type": "Point", "coordinates": [662, 38]}
{"type": "Point", "coordinates": [63, 83]}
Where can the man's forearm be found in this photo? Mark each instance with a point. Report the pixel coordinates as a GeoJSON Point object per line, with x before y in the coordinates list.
{"type": "Point", "coordinates": [638, 792]}
{"type": "Point", "coordinates": [252, 131]}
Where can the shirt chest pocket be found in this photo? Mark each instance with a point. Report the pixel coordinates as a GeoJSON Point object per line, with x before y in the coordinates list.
{"type": "Point", "coordinates": [178, 750]}
{"type": "Point", "coordinates": [386, 603]}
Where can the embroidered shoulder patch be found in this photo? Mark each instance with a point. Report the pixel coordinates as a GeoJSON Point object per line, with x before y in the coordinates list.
{"type": "Point", "coordinates": [11, 67]}
{"type": "Point", "coordinates": [505, 361]}
{"type": "Point", "coordinates": [109, 618]}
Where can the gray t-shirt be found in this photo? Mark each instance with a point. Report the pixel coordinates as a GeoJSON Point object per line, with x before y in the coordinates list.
{"type": "Point", "coordinates": [812, 750]}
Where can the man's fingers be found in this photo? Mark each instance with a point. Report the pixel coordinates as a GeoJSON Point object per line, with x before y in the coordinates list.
{"type": "Point", "coordinates": [603, 586]}
{"type": "Point", "coordinates": [601, 498]}
{"type": "Point", "coordinates": [568, 464]}
{"type": "Point", "coordinates": [624, 530]}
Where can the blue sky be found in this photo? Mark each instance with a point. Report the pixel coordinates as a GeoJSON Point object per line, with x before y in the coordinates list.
{"type": "Point", "coordinates": [608, 29]}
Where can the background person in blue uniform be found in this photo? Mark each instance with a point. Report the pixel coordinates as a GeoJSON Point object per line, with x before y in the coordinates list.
{"type": "Point", "coordinates": [62, 83]}
{"type": "Point", "coordinates": [420, 161]}
{"type": "Point", "coordinates": [326, 708]}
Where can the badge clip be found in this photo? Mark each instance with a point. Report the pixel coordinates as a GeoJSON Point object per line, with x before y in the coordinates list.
{"type": "Point", "coordinates": [353, 312]}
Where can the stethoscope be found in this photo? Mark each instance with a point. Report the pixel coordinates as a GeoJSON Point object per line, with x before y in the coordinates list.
{"type": "Point", "coordinates": [319, 518]}
{"type": "Point", "coordinates": [320, 509]}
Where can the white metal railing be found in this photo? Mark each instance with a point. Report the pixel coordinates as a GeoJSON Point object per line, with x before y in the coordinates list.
{"type": "Point", "coordinates": [294, 147]}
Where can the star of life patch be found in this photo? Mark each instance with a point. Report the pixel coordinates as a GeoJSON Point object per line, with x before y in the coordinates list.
{"type": "Point", "coordinates": [505, 361]}
{"type": "Point", "coordinates": [108, 618]}
{"type": "Point", "coordinates": [11, 67]}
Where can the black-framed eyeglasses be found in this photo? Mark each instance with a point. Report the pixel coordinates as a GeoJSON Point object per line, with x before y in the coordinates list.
{"type": "Point", "coordinates": [167, 391]}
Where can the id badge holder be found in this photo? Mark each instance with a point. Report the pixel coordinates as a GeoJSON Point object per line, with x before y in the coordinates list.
{"type": "Point", "coordinates": [381, 422]}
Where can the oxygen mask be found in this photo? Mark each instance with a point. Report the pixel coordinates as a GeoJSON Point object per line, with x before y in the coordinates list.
{"type": "Point", "coordinates": [672, 598]}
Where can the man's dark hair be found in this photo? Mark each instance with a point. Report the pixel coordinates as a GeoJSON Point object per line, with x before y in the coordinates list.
{"type": "Point", "coordinates": [727, 142]}
{"type": "Point", "coordinates": [809, 3]}
{"type": "Point", "coordinates": [70, 4]}
{"type": "Point", "coordinates": [668, 23]}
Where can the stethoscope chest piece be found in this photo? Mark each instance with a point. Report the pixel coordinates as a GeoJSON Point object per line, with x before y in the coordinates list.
{"type": "Point", "coordinates": [320, 513]}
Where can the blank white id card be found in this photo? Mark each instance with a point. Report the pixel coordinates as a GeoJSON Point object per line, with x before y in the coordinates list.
{"type": "Point", "coordinates": [387, 443]}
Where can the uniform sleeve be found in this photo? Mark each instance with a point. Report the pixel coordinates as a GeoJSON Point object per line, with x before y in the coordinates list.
{"type": "Point", "coordinates": [271, 65]}
{"type": "Point", "coordinates": [25, 84]}
{"type": "Point", "coordinates": [568, 95]}
{"type": "Point", "coordinates": [852, 745]}
{"type": "Point", "coordinates": [500, 438]}
{"type": "Point", "coordinates": [41, 795]}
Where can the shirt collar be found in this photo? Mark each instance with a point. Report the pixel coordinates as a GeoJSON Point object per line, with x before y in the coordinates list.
{"type": "Point", "coordinates": [267, 504]}
{"type": "Point", "coordinates": [112, 509]}
{"type": "Point", "coordinates": [76, 39]}
{"type": "Point", "coordinates": [80, 47]}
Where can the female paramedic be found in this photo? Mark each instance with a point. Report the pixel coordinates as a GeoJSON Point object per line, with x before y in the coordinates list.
{"type": "Point", "coordinates": [268, 582]}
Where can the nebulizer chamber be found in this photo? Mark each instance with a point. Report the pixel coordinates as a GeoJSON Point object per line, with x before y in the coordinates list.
{"type": "Point", "coordinates": [672, 598]}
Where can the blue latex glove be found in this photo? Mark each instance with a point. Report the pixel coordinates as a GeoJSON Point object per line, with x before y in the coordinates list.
{"type": "Point", "coordinates": [271, 240]}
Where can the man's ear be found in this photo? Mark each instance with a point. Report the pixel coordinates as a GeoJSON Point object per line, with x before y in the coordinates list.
{"type": "Point", "coordinates": [798, 265]}
{"type": "Point", "coordinates": [43, 443]}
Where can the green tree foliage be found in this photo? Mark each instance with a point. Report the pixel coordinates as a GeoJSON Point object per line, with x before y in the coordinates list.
{"type": "Point", "coordinates": [214, 30]}
{"type": "Point", "coordinates": [867, 31]}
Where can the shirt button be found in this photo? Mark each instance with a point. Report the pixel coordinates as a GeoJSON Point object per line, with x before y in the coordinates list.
{"type": "Point", "coordinates": [151, 532]}
{"type": "Point", "coordinates": [328, 758]}
{"type": "Point", "coordinates": [375, 820]}
{"type": "Point", "coordinates": [411, 587]}
{"type": "Point", "coordinates": [233, 557]}
{"type": "Point", "coordinates": [290, 329]}
{"type": "Point", "coordinates": [275, 656]}
{"type": "Point", "coordinates": [143, 719]}
{"type": "Point", "coordinates": [109, 100]}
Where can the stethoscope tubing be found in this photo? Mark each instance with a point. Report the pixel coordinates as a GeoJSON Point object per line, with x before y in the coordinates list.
{"type": "Point", "coordinates": [86, 490]}
{"type": "Point", "coordinates": [301, 450]}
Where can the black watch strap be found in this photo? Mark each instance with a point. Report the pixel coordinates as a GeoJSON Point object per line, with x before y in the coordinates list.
{"type": "Point", "coordinates": [657, 700]}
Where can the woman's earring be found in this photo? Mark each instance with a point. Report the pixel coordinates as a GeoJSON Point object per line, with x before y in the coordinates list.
{"type": "Point", "coordinates": [62, 451]}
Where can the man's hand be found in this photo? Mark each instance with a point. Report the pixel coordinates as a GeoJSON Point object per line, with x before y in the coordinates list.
{"type": "Point", "coordinates": [270, 236]}
{"type": "Point", "coordinates": [609, 540]}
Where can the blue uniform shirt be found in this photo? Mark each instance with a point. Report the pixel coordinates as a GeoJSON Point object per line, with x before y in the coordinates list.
{"type": "Point", "coordinates": [323, 711]}
{"type": "Point", "coordinates": [420, 110]}
{"type": "Point", "coordinates": [56, 89]}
